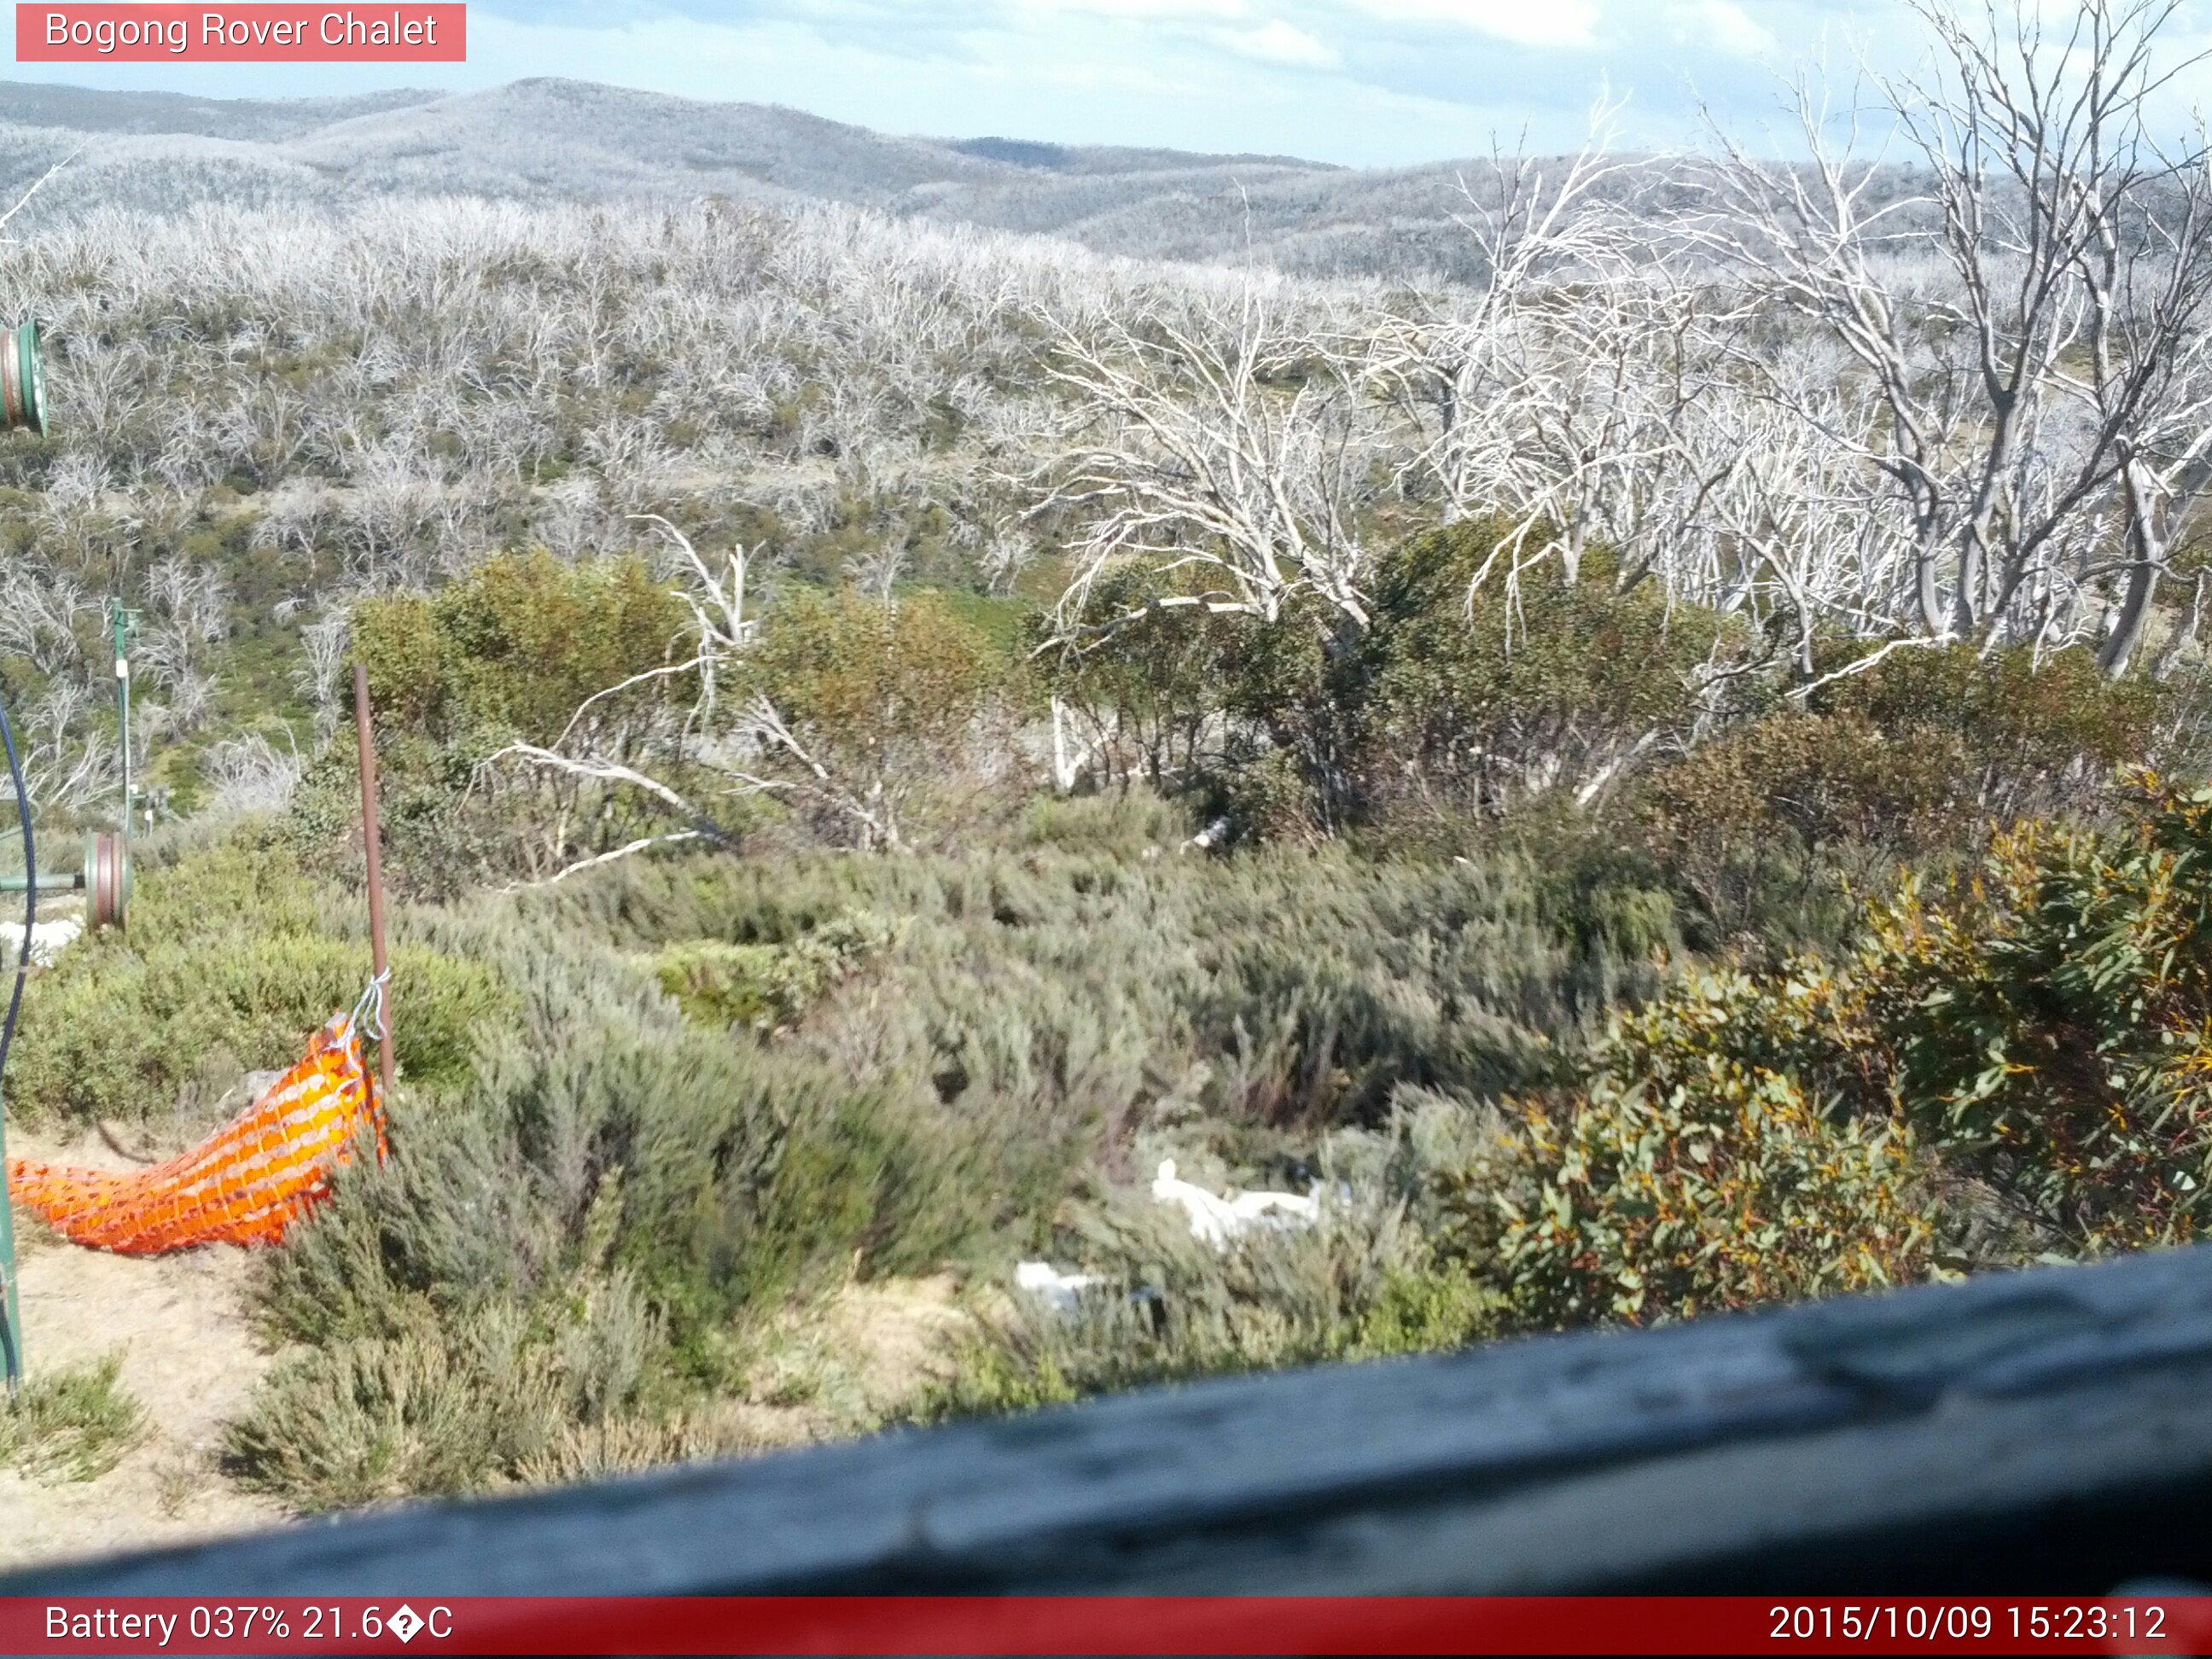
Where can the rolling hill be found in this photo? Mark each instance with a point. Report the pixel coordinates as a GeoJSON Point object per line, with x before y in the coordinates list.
{"type": "Point", "coordinates": [561, 139]}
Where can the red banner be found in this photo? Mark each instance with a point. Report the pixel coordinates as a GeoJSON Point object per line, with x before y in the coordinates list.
{"type": "Point", "coordinates": [1105, 1625]}
{"type": "Point", "coordinates": [260, 33]}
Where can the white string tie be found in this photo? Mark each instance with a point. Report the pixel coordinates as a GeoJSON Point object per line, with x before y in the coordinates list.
{"type": "Point", "coordinates": [371, 1003]}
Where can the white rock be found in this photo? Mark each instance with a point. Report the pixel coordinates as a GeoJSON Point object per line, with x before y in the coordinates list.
{"type": "Point", "coordinates": [1215, 1220]}
{"type": "Point", "coordinates": [1206, 839]}
{"type": "Point", "coordinates": [48, 940]}
{"type": "Point", "coordinates": [1049, 1285]}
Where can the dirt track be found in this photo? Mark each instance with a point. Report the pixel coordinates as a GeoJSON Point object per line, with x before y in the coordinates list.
{"type": "Point", "coordinates": [190, 1357]}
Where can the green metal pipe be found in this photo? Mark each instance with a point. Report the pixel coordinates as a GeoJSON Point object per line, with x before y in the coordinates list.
{"type": "Point", "coordinates": [22, 404]}
{"type": "Point", "coordinates": [106, 875]}
{"type": "Point", "coordinates": [126, 624]}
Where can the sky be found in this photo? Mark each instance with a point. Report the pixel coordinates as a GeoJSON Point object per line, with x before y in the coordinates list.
{"type": "Point", "coordinates": [1362, 82]}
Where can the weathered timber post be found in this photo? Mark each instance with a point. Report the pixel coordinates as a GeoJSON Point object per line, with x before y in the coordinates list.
{"type": "Point", "coordinates": [371, 836]}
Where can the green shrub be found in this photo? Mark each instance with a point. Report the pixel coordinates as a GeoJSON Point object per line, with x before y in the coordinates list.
{"type": "Point", "coordinates": [72, 1425]}
{"type": "Point", "coordinates": [512, 653]}
{"type": "Point", "coordinates": [1454, 698]}
{"type": "Point", "coordinates": [1768, 825]}
{"type": "Point", "coordinates": [1147, 694]}
{"type": "Point", "coordinates": [448, 1409]}
{"type": "Point", "coordinates": [233, 957]}
{"type": "Point", "coordinates": [1035, 1015]}
{"type": "Point", "coordinates": [1122, 824]}
{"type": "Point", "coordinates": [879, 701]}
{"type": "Point", "coordinates": [2024, 731]}
{"type": "Point", "coordinates": [520, 644]}
{"type": "Point", "coordinates": [1472, 700]}
{"type": "Point", "coordinates": [766, 987]}
{"type": "Point", "coordinates": [1694, 1172]}
{"type": "Point", "coordinates": [2039, 1027]}
{"type": "Point", "coordinates": [1764, 827]}
{"type": "Point", "coordinates": [2049, 1023]}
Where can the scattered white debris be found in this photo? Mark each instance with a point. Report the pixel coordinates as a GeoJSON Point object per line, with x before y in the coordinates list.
{"type": "Point", "coordinates": [1215, 1220]}
{"type": "Point", "coordinates": [48, 940]}
{"type": "Point", "coordinates": [1207, 839]}
{"type": "Point", "coordinates": [1047, 1283]}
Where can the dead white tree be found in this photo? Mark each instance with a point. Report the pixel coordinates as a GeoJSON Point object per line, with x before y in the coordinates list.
{"type": "Point", "coordinates": [2029, 317]}
{"type": "Point", "coordinates": [323, 642]}
{"type": "Point", "coordinates": [1227, 444]}
{"type": "Point", "coordinates": [190, 612]}
{"type": "Point", "coordinates": [1544, 397]}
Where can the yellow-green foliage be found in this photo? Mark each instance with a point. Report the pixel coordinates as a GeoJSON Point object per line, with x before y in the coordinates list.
{"type": "Point", "coordinates": [859, 677]}
{"type": "Point", "coordinates": [880, 703]}
{"type": "Point", "coordinates": [233, 957]}
{"type": "Point", "coordinates": [1695, 1172]}
{"type": "Point", "coordinates": [520, 644]}
{"type": "Point", "coordinates": [511, 652]}
{"type": "Point", "coordinates": [75, 1424]}
{"type": "Point", "coordinates": [2042, 1029]}
{"type": "Point", "coordinates": [765, 987]}
{"type": "Point", "coordinates": [2050, 1021]}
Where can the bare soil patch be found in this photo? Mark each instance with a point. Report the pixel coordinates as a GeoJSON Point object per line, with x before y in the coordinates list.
{"type": "Point", "coordinates": [191, 1357]}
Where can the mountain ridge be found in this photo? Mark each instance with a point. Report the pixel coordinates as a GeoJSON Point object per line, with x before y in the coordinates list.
{"type": "Point", "coordinates": [558, 138]}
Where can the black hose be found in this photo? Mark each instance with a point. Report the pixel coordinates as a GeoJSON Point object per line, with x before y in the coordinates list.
{"type": "Point", "coordinates": [14, 1366]}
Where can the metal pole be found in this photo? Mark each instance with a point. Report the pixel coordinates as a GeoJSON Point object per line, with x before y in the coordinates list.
{"type": "Point", "coordinates": [372, 835]}
{"type": "Point", "coordinates": [121, 618]}
{"type": "Point", "coordinates": [11, 1296]}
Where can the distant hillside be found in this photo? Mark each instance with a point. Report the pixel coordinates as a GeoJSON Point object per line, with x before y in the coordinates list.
{"type": "Point", "coordinates": [540, 139]}
{"type": "Point", "coordinates": [82, 109]}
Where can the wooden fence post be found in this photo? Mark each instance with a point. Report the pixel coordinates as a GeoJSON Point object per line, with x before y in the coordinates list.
{"type": "Point", "coordinates": [372, 837]}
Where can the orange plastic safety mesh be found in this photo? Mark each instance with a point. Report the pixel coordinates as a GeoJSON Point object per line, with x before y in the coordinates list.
{"type": "Point", "coordinates": [244, 1185]}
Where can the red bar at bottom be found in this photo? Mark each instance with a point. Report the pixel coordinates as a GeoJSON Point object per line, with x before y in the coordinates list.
{"type": "Point", "coordinates": [1103, 1625]}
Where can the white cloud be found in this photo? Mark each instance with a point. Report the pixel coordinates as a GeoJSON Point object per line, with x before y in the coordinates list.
{"type": "Point", "coordinates": [1155, 11]}
{"type": "Point", "coordinates": [1381, 82]}
{"type": "Point", "coordinates": [1279, 42]}
{"type": "Point", "coordinates": [1524, 22]}
{"type": "Point", "coordinates": [1724, 25]}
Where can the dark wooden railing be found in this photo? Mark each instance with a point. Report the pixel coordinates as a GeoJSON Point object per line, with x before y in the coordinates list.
{"type": "Point", "coordinates": [2046, 1432]}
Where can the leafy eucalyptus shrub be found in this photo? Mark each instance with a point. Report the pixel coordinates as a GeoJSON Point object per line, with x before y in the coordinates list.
{"type": "Point", "coordinates": [1147, 696]}
{"type": "Point", "coordinates": [1768, 825]}
{"type": "Point", "coordinates": [1454, 697]}
{"type": "Point", "coordinates": [2036, 1028]}
{"type": "Point", "coordinates": [2049, 1022]}
{"type": "Point", "coordinates": [518, 645]}
{"type": "Point", "coordinates": [1695, 1170]}
{"type": "Point", "coordinates": [509, 654]}
{"type": "Point", "coordinates": [876, 704]}
{"type": "Point", "coordinates": [2016, 732]}
{"type": "Point", "coordinates": [1470, 697]}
